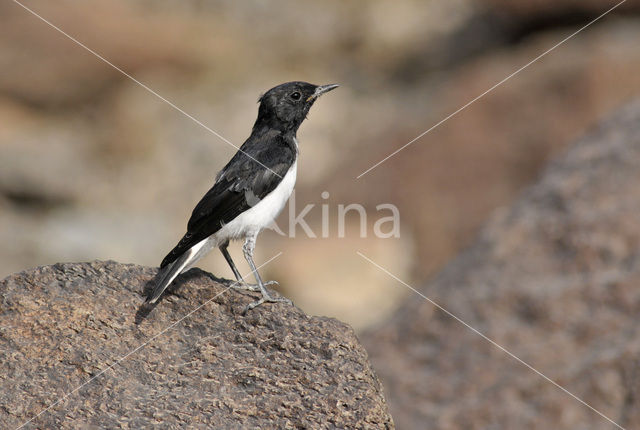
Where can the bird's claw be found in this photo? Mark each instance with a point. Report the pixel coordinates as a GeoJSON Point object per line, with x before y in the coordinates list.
{"type": "Point", "coordinates": [251, 287]}
{"type": "Point", "coordinates": [267, 299]}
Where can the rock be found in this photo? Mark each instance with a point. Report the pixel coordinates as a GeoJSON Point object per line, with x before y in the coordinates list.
{"type": "Point", "coordinates": [482, 158]}
{"type": "Point", "coordinates": [75, 338]}
{"type": "Point", "coordinates": [553, 279]}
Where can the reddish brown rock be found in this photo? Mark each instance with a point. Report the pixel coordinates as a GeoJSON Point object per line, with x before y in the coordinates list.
{"type": "Point", "coordinates": [193, 361]}
{"type": "Point", "coordinates": [554, 279]}
{"type": "Point", "coordinates": [447, 183]}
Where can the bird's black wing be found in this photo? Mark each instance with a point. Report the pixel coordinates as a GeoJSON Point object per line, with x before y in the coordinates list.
{"type": "Point", "coordinates": [239, 186]}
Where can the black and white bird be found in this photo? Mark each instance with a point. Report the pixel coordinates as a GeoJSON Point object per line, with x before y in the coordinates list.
{"type": "Point", "coordinates": [250, 191]}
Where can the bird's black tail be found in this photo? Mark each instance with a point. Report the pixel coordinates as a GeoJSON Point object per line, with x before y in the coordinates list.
{"type": "Point", "coordinates": [167, 274]}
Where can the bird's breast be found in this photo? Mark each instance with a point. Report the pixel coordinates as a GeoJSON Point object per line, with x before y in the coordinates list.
{"type": "Point", "coordinates": [263, 212]}
{"type": "Point", "coordinates": [274, 202]}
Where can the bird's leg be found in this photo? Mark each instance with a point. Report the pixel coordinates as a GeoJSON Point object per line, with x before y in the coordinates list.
{"type": "Point", "coordinates": [240, 283]}
{"type": "Point", "coordinates": [223, 248]}
{"type": "Point", "coordinates": [248, 248]}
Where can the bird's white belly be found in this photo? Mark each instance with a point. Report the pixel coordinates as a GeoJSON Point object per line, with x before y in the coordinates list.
{"type": "Point", "coordinates": [249, 222]}
{"type": "Point", "coordinates": [263, 213]}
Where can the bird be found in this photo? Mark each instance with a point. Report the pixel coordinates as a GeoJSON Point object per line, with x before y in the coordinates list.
{"type": "Point", "coordinates": [249, 192]}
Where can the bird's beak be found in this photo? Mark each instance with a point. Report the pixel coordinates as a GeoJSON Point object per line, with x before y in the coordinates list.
{"type": "Point", "coordinates": [321, 90]}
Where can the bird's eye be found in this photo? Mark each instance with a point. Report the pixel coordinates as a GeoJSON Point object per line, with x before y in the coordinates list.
{"type": "Point", "coordinates": [296, 95]}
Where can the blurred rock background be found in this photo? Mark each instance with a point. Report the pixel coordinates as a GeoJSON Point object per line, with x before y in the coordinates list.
{"type": "Point", "coordinates": [93, 166]}
{"type": "Point", "coordinates": [554, 279]}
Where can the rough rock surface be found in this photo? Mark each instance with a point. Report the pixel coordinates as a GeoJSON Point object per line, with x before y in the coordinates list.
{"type": "Point", "coordinates": [554, 279]}
{"type": "Point", "coordinates": [193, 360]}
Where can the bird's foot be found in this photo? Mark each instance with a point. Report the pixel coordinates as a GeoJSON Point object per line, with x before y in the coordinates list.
{"type": "Point", "coordinates": [241, 285]}
{"type": "Point", "coordinates": [267, 299]}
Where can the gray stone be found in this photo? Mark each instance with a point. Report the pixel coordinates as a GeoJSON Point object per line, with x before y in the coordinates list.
{"type": "Point", "coordinates": [553, 279]}
{"type": "Point", "coordinates": [193, 360]}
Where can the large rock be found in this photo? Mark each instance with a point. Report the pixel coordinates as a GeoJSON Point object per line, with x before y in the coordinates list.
{"type": "Point", "coordinates": [194, 360]}
{"type": "Point", "coordinates": [554, 279]}
{"type": "Point", "coordinates": [483, 157]}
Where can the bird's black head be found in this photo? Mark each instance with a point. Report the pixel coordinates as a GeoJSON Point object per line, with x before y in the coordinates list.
{"type": "Point", "coordinates": [285, 107]}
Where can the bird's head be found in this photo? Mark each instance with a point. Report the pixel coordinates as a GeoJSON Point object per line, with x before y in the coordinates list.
{"type": "Point", "coordinates": [285, 107]}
